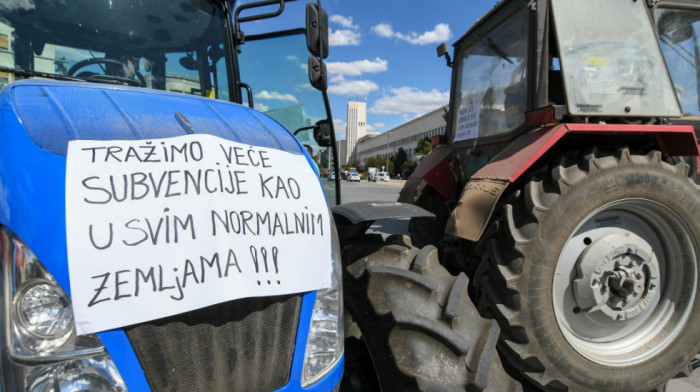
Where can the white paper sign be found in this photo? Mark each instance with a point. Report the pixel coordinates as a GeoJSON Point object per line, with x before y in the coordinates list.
{"type": "Point", "coordinates": [161, 227]}
{"type": "Point", "coordinates": [467, 122]}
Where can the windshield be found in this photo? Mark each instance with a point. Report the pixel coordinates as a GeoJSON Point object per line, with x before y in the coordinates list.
{"type": "Point", "coordinates": [611, 60]}
{"type": "Point", "coordinates": [276, 69]}
{"type": "Point", "coordinates": [678, 33]}
{"type": "Point", "coordinates": [159, 44]}
{"type": "Point", "coordinates": [491, 82]}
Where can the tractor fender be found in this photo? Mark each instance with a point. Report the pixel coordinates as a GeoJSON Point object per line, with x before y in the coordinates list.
{"type": "Point", "coordinates": [484, 189]}
{"type": "Point", "coordinates": [353, 219]}
{"type": "Point", "coordinates": [433, 171]}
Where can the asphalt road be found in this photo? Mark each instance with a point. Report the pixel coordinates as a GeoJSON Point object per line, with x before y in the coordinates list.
{"type": "Point", "coordinates": [383, 191]}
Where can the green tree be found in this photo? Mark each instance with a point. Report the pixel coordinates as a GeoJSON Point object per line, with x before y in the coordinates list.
{"type": "Point", "coordinates": [424, 147]}
{"type": "Point", "coordinates": [379, 161]}
{"type": "Point", "coordinates": [408, 168]}
{"type": "Point", "coordinates": [349, 165]}
{"type": "Point", "coordinates": [398, 161]}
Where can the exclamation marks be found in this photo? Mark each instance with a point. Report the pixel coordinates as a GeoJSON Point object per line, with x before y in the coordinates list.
{"type": "Point", "coordinates": [267, 259]}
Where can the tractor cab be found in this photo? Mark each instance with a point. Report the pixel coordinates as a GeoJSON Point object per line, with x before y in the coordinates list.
{"type": "Point", "coordinates": [205, 48]}
{"type": "Point", "coordinates": [587, 62]}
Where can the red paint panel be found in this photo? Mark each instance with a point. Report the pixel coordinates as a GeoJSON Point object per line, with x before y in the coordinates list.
{"type": "Point", "coordinates": [435, 170]}
{"type": "Point", "coordinates": [520, 155]}
{"type": "Point", "coordinates": [512, 162]}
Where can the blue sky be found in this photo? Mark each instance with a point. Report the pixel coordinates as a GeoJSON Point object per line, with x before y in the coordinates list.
{"type": "Point", "coordinates": [386, 51]}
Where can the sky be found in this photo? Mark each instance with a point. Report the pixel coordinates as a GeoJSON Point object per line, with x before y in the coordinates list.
{"type": "Point", "coordinates": [385, 51]}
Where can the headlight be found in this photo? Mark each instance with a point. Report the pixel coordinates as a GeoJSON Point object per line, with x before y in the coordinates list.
{"type": "Point", "coordinates": [43, 315]}
{"type": "Point", "coordinates": [324, 346]}
{"type": "Point", "coordinates": [38, 330]}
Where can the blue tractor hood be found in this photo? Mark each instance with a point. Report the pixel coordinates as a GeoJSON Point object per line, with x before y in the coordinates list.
{"type": "Point", "coordinates": [38, 118]}
{"type": "Point", "coordinates": [53, 113]}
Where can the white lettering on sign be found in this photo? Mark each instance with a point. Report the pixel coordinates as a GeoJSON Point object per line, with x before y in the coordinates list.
{"type": "Point", "coordinates": [467, 122]}
{"type": "Point", "coordinates": [161, 227]}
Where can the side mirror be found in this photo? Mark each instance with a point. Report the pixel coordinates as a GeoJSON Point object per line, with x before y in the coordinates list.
{"type": "Point", "coordinates": [322, 133]}
{"type": "Point", "coordinates": [317, 73]}
{"type": "Point", "coordinates": [317, 30]}
{"type": "Point", "coordinates": [444, 50]}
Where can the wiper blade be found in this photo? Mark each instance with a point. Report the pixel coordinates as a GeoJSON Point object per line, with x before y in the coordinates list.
{"type": "Point", "coordinates": [28, 74]}
{"type": "Point", "coordinates": [496, 49]}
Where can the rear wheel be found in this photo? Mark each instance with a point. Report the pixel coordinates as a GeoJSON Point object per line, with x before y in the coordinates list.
{"type": "Point", "coordinates": [419, 326]}
{"type": "Point", "coordinates": [593, 273]}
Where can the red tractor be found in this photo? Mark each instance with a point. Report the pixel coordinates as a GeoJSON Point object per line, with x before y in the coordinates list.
{"type": "Point", "coordinates": [567, 187]}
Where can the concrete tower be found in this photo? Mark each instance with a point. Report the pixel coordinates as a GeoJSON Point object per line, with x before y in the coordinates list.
{"type": "Point", "coordinates": [356, 128]}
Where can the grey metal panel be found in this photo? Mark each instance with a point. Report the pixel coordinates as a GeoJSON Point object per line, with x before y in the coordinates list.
{"type": "Point", "coordinates": [365, 211]}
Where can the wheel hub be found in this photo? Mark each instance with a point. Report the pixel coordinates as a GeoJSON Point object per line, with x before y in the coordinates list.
{"type": "Point", "coordinates": [617, 278]}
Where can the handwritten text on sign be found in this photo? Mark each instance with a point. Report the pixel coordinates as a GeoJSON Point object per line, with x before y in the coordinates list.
{"type": "Point", "coordinates": [161, 227]}
{"type": "Point", "coordinates": [467, 122]}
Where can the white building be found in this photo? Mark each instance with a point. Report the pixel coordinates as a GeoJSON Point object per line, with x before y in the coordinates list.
{"type": "Point", "coordinates": [356, 130]}
{"type": "Point", "coordinates": [404, 136]}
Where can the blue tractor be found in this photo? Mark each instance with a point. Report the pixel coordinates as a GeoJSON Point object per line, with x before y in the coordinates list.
{"type": "Point", "coordinates": [136, 71]}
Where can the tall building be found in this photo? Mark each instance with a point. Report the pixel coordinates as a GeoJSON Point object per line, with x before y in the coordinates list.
{"type": "Point", "coordinates": [356, 128]}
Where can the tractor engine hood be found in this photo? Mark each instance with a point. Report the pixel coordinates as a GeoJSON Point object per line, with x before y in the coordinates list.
{"type": "Point", "coordinates": [40, 117]}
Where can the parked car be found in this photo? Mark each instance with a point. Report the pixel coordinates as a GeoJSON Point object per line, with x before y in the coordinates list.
{"type": "Point", "coordinates": [354, 177]}
{"type": "Point", "coordinates": [383, 176]}
{"type": "Point", "coordinates": [331, 177]}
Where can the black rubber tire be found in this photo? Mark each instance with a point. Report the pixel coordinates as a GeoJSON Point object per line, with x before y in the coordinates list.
{"type": "Point", "coordinates": [521, 249]}
{"type": "Point", "coordinates": [422, 331]}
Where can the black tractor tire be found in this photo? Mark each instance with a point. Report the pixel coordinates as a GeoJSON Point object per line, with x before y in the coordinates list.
{"type": "Point", "coordinates": [591, 268]}
{"type": "Point", "coordinates": [420, 328]}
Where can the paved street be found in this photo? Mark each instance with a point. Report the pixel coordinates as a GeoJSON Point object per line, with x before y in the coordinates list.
{"type": "Point", "coordinates": [382, 191]}
{"type": "Point", "coordinates": [370, 191]}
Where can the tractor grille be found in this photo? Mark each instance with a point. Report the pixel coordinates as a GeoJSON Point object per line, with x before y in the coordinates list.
{"type": "Point", "coordinates": [242, 345]}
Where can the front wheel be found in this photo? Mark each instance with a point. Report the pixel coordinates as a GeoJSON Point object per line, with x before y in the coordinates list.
{"type": "Point", "coordinates": [592, 272]}
{"type": "Point", "coordinates": [419, 328]}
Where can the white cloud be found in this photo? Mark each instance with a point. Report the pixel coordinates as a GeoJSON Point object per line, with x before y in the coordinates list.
{"type": "Point", "coordinates": [348, 35]}
{"type": "Point", "coordinates": [357, 68]}
{"type": "Point", "coordinates": [374, 128]}
{"type": "Point", "coordinates": [336, 79]}
{"type": "Point", "coordinates": [344, 21]}
{"type": "Point", "coordinates": [261, 107]}
{"type": "Point", "coordinates": [440, 33]}
{"type": "Point", "coordinates": [17, 5]}
{"type": "Point", "coordinates": [274, 95]}
{"type": "Point", "coordinates": [304, 87]}
{"type": "Point", "coordinates": [344, 37]}
{"type": "Point", "coordinates": [383, 30]}
{"type": "Point", "coordinates": [339, 126]}
{"type": "Point", "coordinates": [292, 58]}
{"type": "Point", "coordinates": [353, 87]}
{"type": "Point", "coordinates": [410, 100]}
